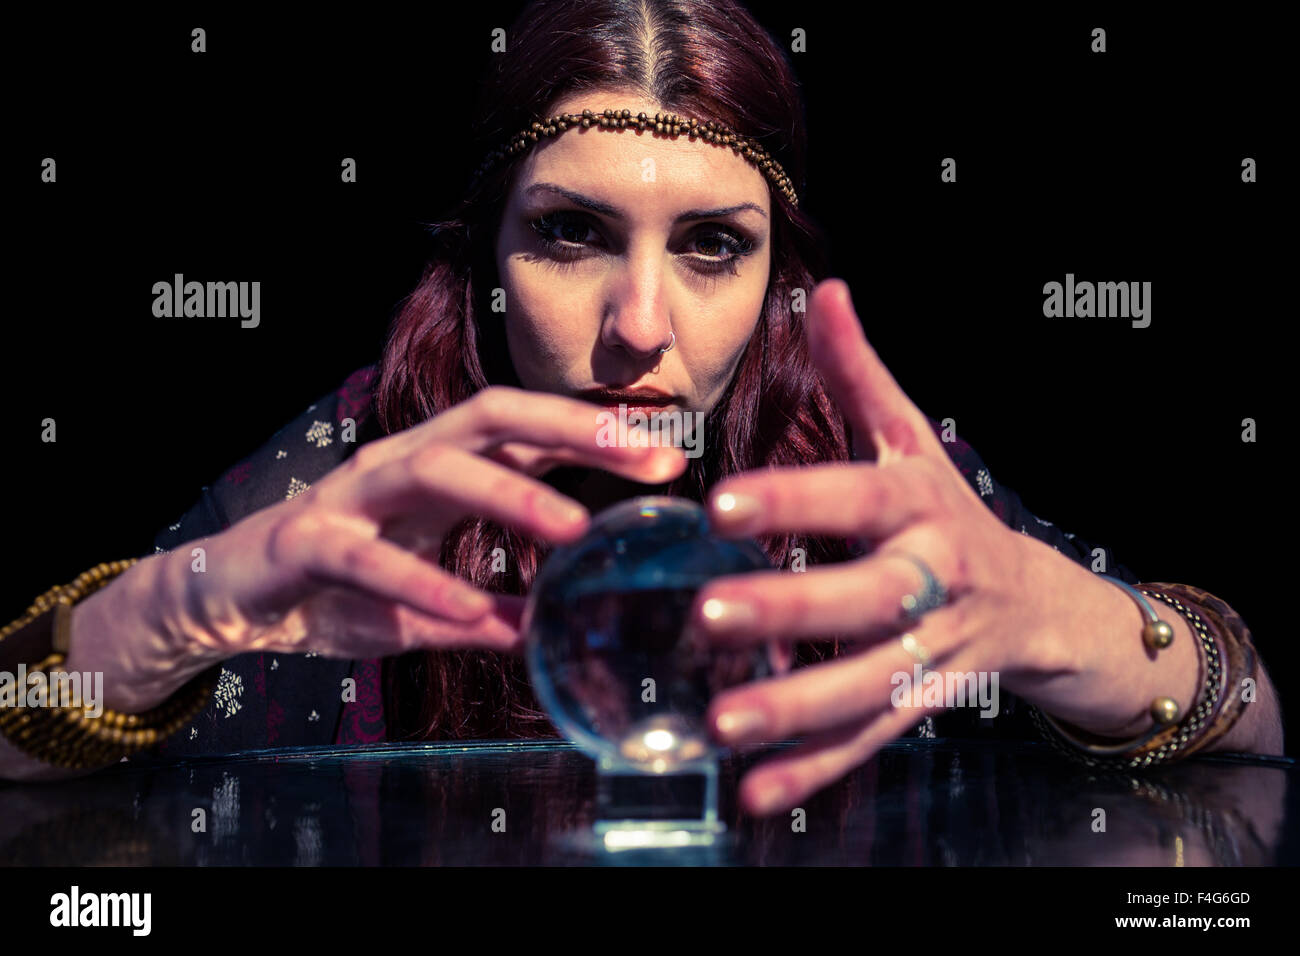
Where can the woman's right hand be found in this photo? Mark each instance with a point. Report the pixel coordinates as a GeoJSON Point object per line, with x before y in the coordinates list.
{"type": "Point", "coordinates": [349, 568]}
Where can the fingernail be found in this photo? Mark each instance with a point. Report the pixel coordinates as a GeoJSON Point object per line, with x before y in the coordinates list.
{"type": "Point", "coordinates": [737, 511]}
{"type": "Point", "coordinates": [734, 725]}
{"type": "Point", "coordinates": [719, 614]}
{"type": "Point", "coordinates": [470, 602]}
{"type": "Point", "coordinates": [770, 795]}
{"type": "Point", "coordinates": [667, 462]}
{"type": "Point", "coordinates": [562, 510]}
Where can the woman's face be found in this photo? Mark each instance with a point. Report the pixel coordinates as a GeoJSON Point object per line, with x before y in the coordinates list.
{"type": "Point", "coordinates": [612, 242]}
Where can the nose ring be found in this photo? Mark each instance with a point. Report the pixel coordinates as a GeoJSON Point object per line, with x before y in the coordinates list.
{"type": "Point", "coordinates": [671, 343]}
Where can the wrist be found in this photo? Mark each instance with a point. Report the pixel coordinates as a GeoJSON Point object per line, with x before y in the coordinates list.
{"type": "Point", "coordinates": [1115, 677]}
{"type": "Point", "coordinates": [1139, 675]}
{"type": "Point", "coordinates": [133, 631]}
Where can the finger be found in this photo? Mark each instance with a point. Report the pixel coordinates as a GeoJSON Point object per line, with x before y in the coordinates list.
{"type": "Point", "coordinates": [853, 499]}
{"type": "Point", "coordinates": [652, 467]}
{"type": "Point", "coordinates": [780, 656]}
{"type": "Point", "coordinates": [825, 695]}
{"type": "Point", "coordinates": [498, 630]}
{"type": "Point", "coordinates": [447, 483]}
{"type": "Point", "coordinates": [872, 401]}
{"type": "Point", "coordinates": [343, 623]}
{"type": "Point", "coordinates": [500, 414]}
{"type": "Point", "coordinates": [332, 550]}
{"type": "Point", "coordinates": [783, 782]}
{"type": "Point", "coordinates": [860, 599]}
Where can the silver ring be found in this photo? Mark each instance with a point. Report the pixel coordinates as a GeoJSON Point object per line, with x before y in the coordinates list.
{"type": "Point", "coordinates": [932, 594]}
{"type": "Point", "coordinates": [671, 342]}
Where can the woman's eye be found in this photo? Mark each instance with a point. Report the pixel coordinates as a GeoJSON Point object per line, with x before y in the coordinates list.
{"type": "Point", "coordinates": [722, 246]}
{"type": "Point", "coordinates": [555, 227]}
{"type": "Point", "coordinates": [711, 245]}
{"type": "Point", "coordinates": [573, 232]}
{"type": "Point", "coordinates": [566, 236]}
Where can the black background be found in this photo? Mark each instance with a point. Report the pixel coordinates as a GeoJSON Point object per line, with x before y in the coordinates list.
{"type": "Point", "coordinates": [1123, 166]}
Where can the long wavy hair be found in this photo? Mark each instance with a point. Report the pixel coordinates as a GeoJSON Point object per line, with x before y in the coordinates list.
{"type": "Point", "coordinates": [707, 58]}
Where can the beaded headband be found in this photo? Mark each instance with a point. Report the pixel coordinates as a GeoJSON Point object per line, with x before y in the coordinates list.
{"type": "Point", "coordinates": [668, 124]}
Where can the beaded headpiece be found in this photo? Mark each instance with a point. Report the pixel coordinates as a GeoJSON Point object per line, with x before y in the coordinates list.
{"type": "Point", "coordinates": [667, 124]}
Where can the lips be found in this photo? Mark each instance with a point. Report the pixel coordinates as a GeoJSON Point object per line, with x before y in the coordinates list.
{"type": "Point", "coordinates": [636, 399]}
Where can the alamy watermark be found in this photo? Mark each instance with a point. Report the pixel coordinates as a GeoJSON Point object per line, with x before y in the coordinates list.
{"type": "Point", "coordinates": [1102, 300]}
{"type": "Point", "coordinates": [208, 300]}
{"type": "Point", "coordinates": [677, 429]}
{"type": "Point", "coordinates": [931, 688]}
{"type": "Point", "coordinates": [53, 689]}
{"type": "Point", "coordinates": [75, 908]}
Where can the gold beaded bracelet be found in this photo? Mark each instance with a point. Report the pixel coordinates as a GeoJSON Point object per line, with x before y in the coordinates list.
{"type": "Point", "coordinates": [63, 734]}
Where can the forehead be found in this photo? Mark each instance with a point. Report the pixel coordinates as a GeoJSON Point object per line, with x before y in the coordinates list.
{"type": "Point", "coordinates": [640, 164]}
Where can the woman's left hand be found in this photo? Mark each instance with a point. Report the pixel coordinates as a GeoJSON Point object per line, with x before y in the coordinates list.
{"type": "Point", "coordinates": [1016, 607]}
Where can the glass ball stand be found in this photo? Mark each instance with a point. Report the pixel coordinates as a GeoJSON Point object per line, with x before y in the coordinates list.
{"type": "Point", "coordinates": [613, 665]}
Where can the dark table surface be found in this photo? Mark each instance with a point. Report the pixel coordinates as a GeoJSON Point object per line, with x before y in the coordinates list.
{"type": "Point", "coordinates": [920, 802]}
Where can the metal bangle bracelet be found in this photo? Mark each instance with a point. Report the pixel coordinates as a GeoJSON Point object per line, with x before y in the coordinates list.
{"type": "Point", "coordinates": [1156, 635]}
{"type": "Point", "coordinates": [1164, 710]}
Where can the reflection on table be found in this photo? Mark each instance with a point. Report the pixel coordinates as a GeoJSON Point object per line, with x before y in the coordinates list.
{"type": "Point", "coordinates": [920, 802]}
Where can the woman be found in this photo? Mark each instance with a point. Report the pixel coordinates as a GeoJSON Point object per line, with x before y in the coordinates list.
{"type": "Point", "coordinates": [606, 262]}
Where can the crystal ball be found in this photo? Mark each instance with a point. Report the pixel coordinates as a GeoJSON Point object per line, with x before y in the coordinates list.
{"type": "Point", "coordinates": [604, 631]}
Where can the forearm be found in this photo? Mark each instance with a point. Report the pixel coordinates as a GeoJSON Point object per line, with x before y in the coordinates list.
{"type": "Point", "coordinates": [1259, 729]}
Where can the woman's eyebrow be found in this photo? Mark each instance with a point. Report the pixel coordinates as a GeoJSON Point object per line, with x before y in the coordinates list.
{"type": "Point", "coordinates": [613, 212]}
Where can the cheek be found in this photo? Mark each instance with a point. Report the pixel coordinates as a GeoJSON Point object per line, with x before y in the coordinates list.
{"type": "Point", "coordinates": [720, 335]}
{"type": "Point", "coordinates": [544, 321]}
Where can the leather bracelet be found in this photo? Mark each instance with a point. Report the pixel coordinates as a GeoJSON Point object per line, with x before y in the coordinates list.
{"type": "Point", "coordinates": [1239, 650]}
{"type": "Point", "coordinates": [61, 733]}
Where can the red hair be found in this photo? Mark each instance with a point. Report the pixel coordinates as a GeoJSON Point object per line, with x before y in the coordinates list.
{"type": "Point", "coordinates": [706, 59]}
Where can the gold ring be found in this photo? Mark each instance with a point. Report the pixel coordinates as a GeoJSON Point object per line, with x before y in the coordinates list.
{"type": "Point", "coordinates": [919, 652]}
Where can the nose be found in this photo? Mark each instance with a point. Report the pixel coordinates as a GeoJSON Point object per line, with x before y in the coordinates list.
{"type": "Point", "coordinates": [637, 319]}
